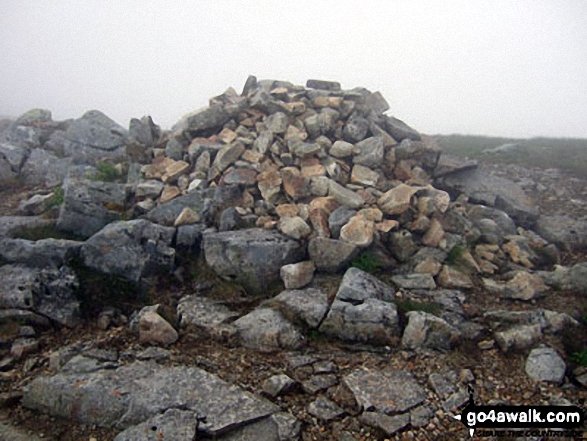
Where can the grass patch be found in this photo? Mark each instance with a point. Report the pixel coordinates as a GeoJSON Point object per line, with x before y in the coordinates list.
{"type": "Point", "coordinates": [45, 232]}
{"type": "Point", "coordinates": [367, 262]}
{"type": "Point", "coordinates": [405, 306]}
{"type": "Point", "coordinates": [106, 172]}
{"type": "Point", "coordinates": [568, 154]}
{"type": "Point", "coordinates": [455, 254]}
{"type": "Point", "coordinates": [580, 357]}
{"type": "Point", "coordinates": [58, 197]}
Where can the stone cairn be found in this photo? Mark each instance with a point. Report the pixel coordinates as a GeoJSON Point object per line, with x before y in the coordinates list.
{"type": "Point", "coordinates": [278, 184]}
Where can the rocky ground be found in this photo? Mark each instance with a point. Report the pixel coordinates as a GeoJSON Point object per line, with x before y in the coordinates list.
{"type": "Point", "coordinates": [384, 353]}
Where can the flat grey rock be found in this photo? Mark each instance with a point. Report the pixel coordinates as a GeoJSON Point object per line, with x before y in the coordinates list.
{"type": "Point", "coordinates": [174, 424]}
{"type": "Point", "coordinates": [130, 249]}
{"type": "Point", "coordinates": [308, 305]}
{"type": "Point", "coordinates": [357, 285]}
{"type": "Point", "coordinates": [373, 389]}
{"type": "Point", "coordinates": [204, 313]}
{"type": "Point", "coordinates": [267, 330]}
{"type": "Point", "coordinates": [251, 257]}
{"type": "Point", "coordinates": [544, 364]}
{"type": "Point", "coordinates": [133, 393]}
{"type": "Point", "coordinates": [388, 424]}
{"type": "Point", "coordinates": [427, 331]}
{"type": "Point", "coordinates": [42, 253]}
{"type": "Point", "coordinates": [330, 255]}
{"type": "Point", "coordinates": [325, 410]}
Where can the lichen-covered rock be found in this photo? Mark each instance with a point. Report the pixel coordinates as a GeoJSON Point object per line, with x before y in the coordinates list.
{"type": "Point", "coordinates": [251, 257]}
{"type": "Point", "coordinates": [130, 249]}
{"type": "Point", "coordinates": [427, 331]}
{"type": "Point", "coordinates": [267, 330]}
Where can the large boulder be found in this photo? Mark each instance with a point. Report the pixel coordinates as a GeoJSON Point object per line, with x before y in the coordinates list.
{"type": "Point", "coordinates": [133, 393]}
{"type": "Point", "coordinates": [267, 330]}
{"type": "Point", "coordinates": [362, 310]}
{"type": "Point", "coordinates": [48, 292]}
{"type": "Point", "coordinates": [251, 257]}
{"type": "Point", "coordinates": [45, 168]}
{"type": "Point", "coordinates": [41, 253]}
{"type": "Point", "coordinates": [565, 232]}
{"type": "Point", "coordinates": [90, 205]}
{"type": "Point", "coordinates": [130, 249]}
{"type": "Point", "coordinates": [484, 188]}
{"type": "Point", "coordinates": [93, 137]}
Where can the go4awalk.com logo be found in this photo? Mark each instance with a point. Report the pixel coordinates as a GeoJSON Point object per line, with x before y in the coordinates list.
{"type": "Point", "coordinates": [555, 421]}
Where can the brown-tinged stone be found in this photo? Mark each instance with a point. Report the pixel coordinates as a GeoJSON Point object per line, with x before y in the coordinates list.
{"type": "Point", "coordinates": [313, 170]}
{"type": "Point", "coordinates": [428, 266]}
{"type": "Point", "coordinates": [387, 225]}
{"type": "Point", "coordinates": [358, 231]}
{"type": "Point", "coordinates": [297, 275]}
{"type": "Point", "coordinates": [227, 136]}
{"type": "Point", "coordinates": [319, 220]}
{"type": "Point", "coordinates": [371, 214]}
{"type": "Point", "coordinates": [157, 169]}
{"type": "Point", "coordinates": [452, 278]}
{"type": "Point", "coordinates": [293, 133]}
{"type": "Point", "coordinates": [155, 329]}
{"type": "Point", "coordinates": [187, 217]}
{"type": "Point", "coordinates": [326, 203]}
{"type": "Point", "coordinates": [295, 185]}
{"type": "Point", "coordinates": [269, 183]}
{"type": "Point", "coordinates": [252, 156]}
{"type": "Point", "coordinates": [169, 192]}
{"type": "Point", "coordinates": [240, 176]}
{"type": "Point", "coordinates": [434, 234]}
{"type": "Point", "coordinates": [420, 224]}
{"type": "Point", "coordinates": [396, 200]}
{"type": "Point", "coordinates": [294, 227]}
{"type": "Point", "coordinates": [525, 286]}
{"type": "Point", "coordinates": [287, 210]}
{"type": "Point", "coordinates": [174, 171]}
{"type": "Point", "coordinates": [364, 176]}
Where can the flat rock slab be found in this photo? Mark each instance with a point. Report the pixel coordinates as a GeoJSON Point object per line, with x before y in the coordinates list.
{"type": "Point", "coordinates": [204, 313]}
{"type": "Point", "coordinates": [136, 392]}
{"type": "Point", "coordinates": [387, 392]}
{"type": "Point", "coordinates": [175, 424]}
{"type": "Point", "coordinates": [12, 225]}
{"type": "Point", "coordinates": [251, 257]}
{"type": "Point", "coordinates": [309, 305]}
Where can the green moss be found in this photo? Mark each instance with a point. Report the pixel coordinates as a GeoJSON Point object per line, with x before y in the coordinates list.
{"type": "Point", "coordinates": [368, 262]}
{"type": "Point", "coordinates": [58, 197]}
{"type": "Point", "coordinates": [106, 172]}
{"type": "Point", "coordinates": [580, 357]}
{"type": "Point", "coordinates": [45, 232]}
{"type": "Point", "coordinates": [405, 306]}
{"type": "Point", "coordinates": [455, 254]}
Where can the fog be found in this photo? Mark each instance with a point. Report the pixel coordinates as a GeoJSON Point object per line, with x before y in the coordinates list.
{"type": "Point", "coordinates": [507, 68]}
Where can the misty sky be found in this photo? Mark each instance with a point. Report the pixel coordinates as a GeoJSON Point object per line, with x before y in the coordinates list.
{"type": "Point", "coordinates": [495, 67]}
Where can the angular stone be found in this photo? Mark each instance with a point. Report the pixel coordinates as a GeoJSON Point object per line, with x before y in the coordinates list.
{"type": "Point", "coordinates": [174, 424]}
{"type": "Point", "coordinates": [371, 152]}
{"type": "Point", "coordinates": [319, 220]}
{"type": "Point", "coordinates": [338, 218]}
{"type": "Point", "coordinates": [564, 231]}
{"type": "Point", "coordinates": [518, 337]}
{"type": "Point", "coordinates": [387, 424]}
{"type": "Point", "coordinates": [225, 158]}
{"type": "Point", "coordinates": [396, 200]}
{"type": "Point", "coordinates": [414, 281]}
{"type": "Point", "coordinates": [358, 231]}
{"type": "Point", "coordinates": [294, 227]}
{"type": "Point", "coordinates": [319, 383]}
{"type": "Point", "coordinates": [364, 175]}
{"type": "Point", "coordinates": [544, 364]}
{"type": "Point", "coordinates": [355, 129]}
{"type": "Point", "coordinates": [174, 171]}
{"type": "Point", "coordinates": [297, 275]}
{"type": "Point", "coordinates": [399, 130]}
{"type": "Point", "coordinates": [342, 149]}
{"type": "Point", "coordinates": [372, 390]}
{"type": "Point", "coordinates": [149, 189]}
{"type": "Point", "coordinates": [295, 185]}
{"type": "Point", "coordinates": [323, 85]}
{"type": "Point", "coordinates": [427, 331]}
{"type": "Point", "coordinates": [135, 392]}
{"type": "Point", "coordinates": [325, 410]}
{"type": "Point", "coordinates": [130, 249]}
{"type": "Point", "coordinates": [90, 205]}
{"type": "Point", "coordinates": [344, 196]}
{"type": "Point", "coordinates": [278, 385]}
{"type": "Point", "coordinates": [269, 185]}
{"type": "Point", "coordinates": [266, 330]}
{"type": "Point", "coordinates": [49, 292]}
{"type": "Point", "coordinates": [452, 278]}
{"type": "Point", "coordinates": [187, 217]}
{"type": "Point", "coordinates": [206, 314]}
{"type": "Point", "coordinates": [434, 234]}
{"type": "Point", "coordinates": [155, 329]}
{"type": "Point", "coordinates": [251, 257]}
{"type": "Point", "coordinates": [242, 176]}
{"type": "Point", "coordinates": [330, 255]}
{"type": "Point", "coordinates": [525, 286]}
{"type": "Point", "coordinates": [308, 305]}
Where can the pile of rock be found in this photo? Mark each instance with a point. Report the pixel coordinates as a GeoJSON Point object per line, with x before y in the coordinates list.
{"type": "Point", "coordinates": [279, 184]}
